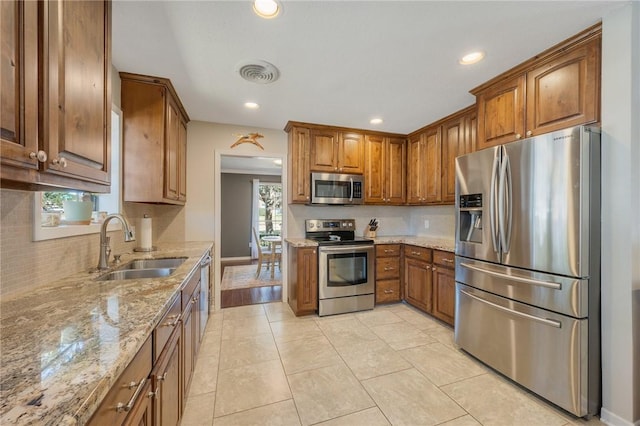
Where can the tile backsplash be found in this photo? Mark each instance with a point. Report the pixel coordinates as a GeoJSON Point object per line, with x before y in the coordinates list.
{"type": "Point", "coordinates": [27, 265]}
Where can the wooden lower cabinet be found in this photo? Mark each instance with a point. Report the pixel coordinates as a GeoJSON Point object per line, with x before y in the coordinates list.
{"type": "Point", "coordinates": [165, 379]}
{"type": "Point", "coordinates": [303, 280]}
{"type": "Point", "coordinates": [417, 282]}
{"type": "Point", "coordinates": [142, 412]}
{"type": "Point", "coordinates": [119, 402]}
{"type": "Point", "coordinates": [444, 286]}
{"type": "Point", "coordinates": [191, 334]}
{"type": "Point", "coordinates": [388, 288]}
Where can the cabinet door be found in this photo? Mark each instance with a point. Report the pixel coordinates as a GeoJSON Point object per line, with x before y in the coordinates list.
{"type": "Point", "coordinates": [395, 168]}
{"type": "Point", "coordinates": [415, 161]}
{"type": "Point", "coordinates": [188, 348]}
{"type": "Point", "coordinates": [564, 92]}
{"type": "Point", "coordinates": [78, 89]}
{"type": "Point", "coordinates": [18, 87]}
{"type": "Point", "coordinates": [182, 161]}
{"type": "Point", "coordinates": [431, 166]}
{"type": "Point", "coordinates": [501, 113]}
{"type": "Point", "coordinates": [351, 153]}
{"type": "Point", "coordinates": [324, 150]}
{"type": "Point", "coordinates": [142, 412]}
{"type": "Point", "coordinates": [374, 172]}
{"type": "Point", "coordinates": [307, 279]}
{"type": "Point", "coordinates": [166, 384]}
{"type": "Point", "coordinates": [458, 138]}
{"type": "Point", "coordinates": [299, 151]}
{"type": "Point", "coordinates": [444, 294]}
{"type": "Point", "coordinates": [171, 151]}
{"type": "Point", "coordinates": [417, 281]}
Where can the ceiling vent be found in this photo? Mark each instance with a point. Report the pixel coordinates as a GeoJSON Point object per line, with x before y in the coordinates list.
{"type": "Point", "coordinates": [260, 72]}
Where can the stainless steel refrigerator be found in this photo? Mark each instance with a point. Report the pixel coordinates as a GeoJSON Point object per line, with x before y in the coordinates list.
{"type": "Point", "coordinates": [528, 264]}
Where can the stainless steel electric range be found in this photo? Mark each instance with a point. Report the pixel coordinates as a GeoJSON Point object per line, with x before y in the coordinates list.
{"type": "Point", "coordinates": [345, 266]}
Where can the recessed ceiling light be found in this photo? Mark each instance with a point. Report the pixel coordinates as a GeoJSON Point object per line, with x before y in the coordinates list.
{"type": "Point", "coordinates": [472, 58]}
{"type": "Point", "coordinates": [375, 121]}
{"type": "Point", "coordinates": [251, 105]}
{"type": "Point", "coordinates": [266, 8]}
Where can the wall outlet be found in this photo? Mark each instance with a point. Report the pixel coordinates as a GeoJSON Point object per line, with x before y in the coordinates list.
{"type": "Point", "coordinates": [426, 224]}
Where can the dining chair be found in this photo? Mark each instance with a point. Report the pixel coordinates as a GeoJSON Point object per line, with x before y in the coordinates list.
{"type": "Point", "coordinates": [264, 255]}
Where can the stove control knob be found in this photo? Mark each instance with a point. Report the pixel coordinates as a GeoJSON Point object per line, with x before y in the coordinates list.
{"type": "Point", "coordinates": [312, 225]}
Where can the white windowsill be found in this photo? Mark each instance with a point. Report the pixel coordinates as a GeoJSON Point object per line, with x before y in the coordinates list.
{"type": "Point", "coordinates": [41, 233]}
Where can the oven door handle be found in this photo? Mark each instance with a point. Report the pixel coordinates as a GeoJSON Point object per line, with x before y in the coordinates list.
{"type": "Point", "coordinates": [342, 249]}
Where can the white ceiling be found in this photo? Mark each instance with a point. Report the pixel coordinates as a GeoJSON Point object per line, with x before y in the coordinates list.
{"type": "Point", "coordinates": [341, 63]}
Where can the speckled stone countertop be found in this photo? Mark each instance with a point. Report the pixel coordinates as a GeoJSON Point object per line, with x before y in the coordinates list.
{"type": "Point", "coordinates": [64, 346]}
{"type": "Point", "coordinates": [428, 242]}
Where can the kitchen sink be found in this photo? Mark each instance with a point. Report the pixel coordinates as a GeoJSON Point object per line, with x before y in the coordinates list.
{"type": "Point", "coordinates": [170, 262]}
{"type": "Point", "coordinates": [132, 274]}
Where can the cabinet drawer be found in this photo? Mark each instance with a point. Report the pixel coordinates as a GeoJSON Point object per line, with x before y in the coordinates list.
{"type": "Point", "coordinates": [123, 390]}
{"type": "Point", "coordinates": [416, 252]}
{"type": "Point", "coordinates": [387, 267]}
{"type": "Point", "coordinates": [190, 287]}
{"type": "Point", "coordinates": [444, 258]}
{"type": "Point", "coordinates": [385, 250]}
{"type": "Point", "coordinates": [165, 327]}
{"type": "Point", "coordinates": [388, 291]}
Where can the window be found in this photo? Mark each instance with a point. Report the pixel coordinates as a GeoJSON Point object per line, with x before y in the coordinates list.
{"type": "Point", "coordinates": [50, 220]}
{"type": "Point", "coordinates": [267, 210]}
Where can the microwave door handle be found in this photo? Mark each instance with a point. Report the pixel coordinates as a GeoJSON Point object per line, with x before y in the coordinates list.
{"type": "Point", "coordinates": [351, 192]}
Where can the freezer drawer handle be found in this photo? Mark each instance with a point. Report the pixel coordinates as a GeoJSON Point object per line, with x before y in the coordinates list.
{"type": "Point", "coordinates": [544, 321]}
{"type": "Point", "coordinates": [554, 286]}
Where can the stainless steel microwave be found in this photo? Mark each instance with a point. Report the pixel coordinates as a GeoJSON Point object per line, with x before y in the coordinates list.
{"type": "Point", "coordinates": [337, 188]}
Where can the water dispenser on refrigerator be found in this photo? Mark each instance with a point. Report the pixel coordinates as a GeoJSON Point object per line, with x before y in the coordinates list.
{"type": "Point", "coordinates": [470, 211]}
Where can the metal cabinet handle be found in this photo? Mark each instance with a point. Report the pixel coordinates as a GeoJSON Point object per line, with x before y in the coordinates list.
{"type": "Point", "coordinates": [41, 156]}
{"type": "Point", "coordinates": [126, 408]}
{"type": "Point", "coordinates": [175, 318]}
{"type": "Point", "coordinates": [447, 260]}
{"type": "Point", "coordinates": [388, 291]}
{"type": "Point", "coordinates": [529, 132]}
{"type": "Point", "coordinates": [163, 377]}
{"type": "Point", "coordinates": [433, 269]}
{"type": "Point", "coordinates": [62, 162]}
{"type": "Point", "coordinates": [518, 135]}
{"type": "Point", "coordinates": [389, 269]}
{"type": "Point", "coordinates": [545, 321]}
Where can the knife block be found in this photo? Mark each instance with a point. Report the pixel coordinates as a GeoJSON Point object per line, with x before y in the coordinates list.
{"type": "Point", "coordinates": [368, 233]}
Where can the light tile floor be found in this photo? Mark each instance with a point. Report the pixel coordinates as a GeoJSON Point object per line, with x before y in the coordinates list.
{"type": "Point", "coordinates": [260, 365]}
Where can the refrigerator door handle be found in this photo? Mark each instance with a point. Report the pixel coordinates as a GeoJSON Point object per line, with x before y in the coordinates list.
{"type": "Point", "coordinates": [545, 321]}
{"type": "Point", "coordinates": [493, 195]}
{"type": "Point", "coordinates": [504, 202]}
{"type": "Point", "coordinates": [555, 286]}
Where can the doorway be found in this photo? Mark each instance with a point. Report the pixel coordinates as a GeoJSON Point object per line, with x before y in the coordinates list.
{"type": "Point", "coordinates": [251, 198]}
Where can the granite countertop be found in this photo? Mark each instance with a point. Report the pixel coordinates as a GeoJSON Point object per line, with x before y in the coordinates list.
{"type": "Point", "coordinates": [64, 346]}
{"type": "Point", "coordinates": [428, 242]}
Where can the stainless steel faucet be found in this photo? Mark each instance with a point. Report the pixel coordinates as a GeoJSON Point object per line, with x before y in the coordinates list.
{"type": "Point", "coordinates": [105, 250]}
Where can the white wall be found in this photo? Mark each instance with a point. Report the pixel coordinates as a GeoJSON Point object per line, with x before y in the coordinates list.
{"type": "Point", "coordinates": [620, 225]}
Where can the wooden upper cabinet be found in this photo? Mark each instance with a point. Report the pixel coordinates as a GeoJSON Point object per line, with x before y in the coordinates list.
{"type": "Point", "coordinates": [501, 112]}
{"type": "Point", "coordinates": [324, 150]}
{"type": "Point", "coordinates": [558, 88]}
{"type": "Point", "coordinates": [56, 95]}
{"type": "Point", "coordinates": [155, 140]}
{"type": "Point", "coordinates": [78, 88]}
{"type": "Point", "coordinates": [423, 166]}
{"type": "Point", "coordinates": [415, 160]}
{"type": "Point", "coordinates": [336, 152]}
{"type": "Point", "coordinates": [350, 152]}
{"type": "Point", "coordinates": [385, 169]}
{"type": "Point", "coordinates": [458, 138]}
{"type": "Point", "coordinates": [565, 91]}
{"type": "Point", "coordinates": [298, 158]}
{"type": "Point", "coordinates": [19, 81]}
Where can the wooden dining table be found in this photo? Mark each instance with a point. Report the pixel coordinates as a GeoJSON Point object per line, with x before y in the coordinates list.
{"type": "Point", "coordinates": [274, 241]}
